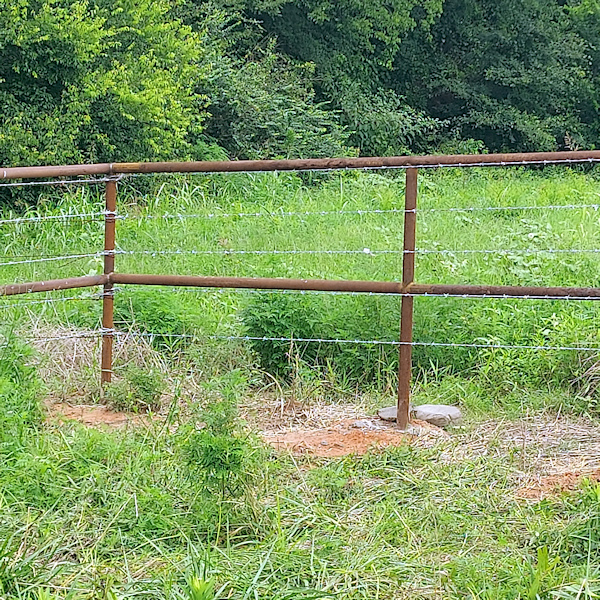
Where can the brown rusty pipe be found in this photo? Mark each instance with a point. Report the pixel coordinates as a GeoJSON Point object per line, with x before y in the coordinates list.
{"type": "Point", "coordinates": [53, 285]}
{"type": "Point", "coordinates": [515, 291]}
{"type": "Point", "coordinates": [301, 164]}
{"type": "Point", "coordinates": [263, 283]}
{"type": "Point", "coordinates": [260, 283]}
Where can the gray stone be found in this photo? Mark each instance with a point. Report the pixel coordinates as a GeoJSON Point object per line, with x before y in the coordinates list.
{"type": "Point", "coordinates": [440, 415]}
{"type": "Point", "coordinates": [387, 414]}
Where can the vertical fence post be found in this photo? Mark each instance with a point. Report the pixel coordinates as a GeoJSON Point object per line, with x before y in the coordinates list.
{"type": "Point", "coordinates": [406, 317]}
{"type": "Point", "coordinates": [109, 267]}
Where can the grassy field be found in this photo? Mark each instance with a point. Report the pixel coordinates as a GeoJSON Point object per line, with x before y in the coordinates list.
{"type": "Point", "coordinates": [171, 509]}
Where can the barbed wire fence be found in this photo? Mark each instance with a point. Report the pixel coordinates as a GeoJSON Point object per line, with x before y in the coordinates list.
{"type": "Point", "coordinates": [110, 216]}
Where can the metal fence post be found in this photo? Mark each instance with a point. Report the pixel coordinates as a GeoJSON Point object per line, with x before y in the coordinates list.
{"type": "Point", "coordinates": [406, 317]}
{"type": "Point", "coordinates": [108, 296]}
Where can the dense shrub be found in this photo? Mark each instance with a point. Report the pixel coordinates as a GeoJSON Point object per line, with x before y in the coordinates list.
{"type": "Point", "coordinates": [92, 80]}
{"type": "Point", "coordinates": [447, 320]}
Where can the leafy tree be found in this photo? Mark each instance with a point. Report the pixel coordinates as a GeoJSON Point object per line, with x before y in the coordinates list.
{"type": "Point", "coordinates": [353, 45]}
{"type": "Point", "coordinates": [511, 72]}
{"type": "Point", "coordinates": [265, 108]}
{"type": "Point", "coordinates": [98, 80]}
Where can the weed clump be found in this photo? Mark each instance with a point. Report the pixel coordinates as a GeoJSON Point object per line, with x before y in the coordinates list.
{"type": "Point", "coordinates": [20, 409]}
{"type": "Point", "coordinates": [140, 391]}
{"type": "Point", "coordinates": [215, 446]}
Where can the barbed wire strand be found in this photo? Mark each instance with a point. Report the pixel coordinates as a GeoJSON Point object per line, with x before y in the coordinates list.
{"type": "Point", "coordinates": [358, 342]}
{"type": "Point", "coordinates": [102, 214]}
{"type": "Point", "coordinates": [50, 301]}
{"type": "Point", "coordinates": [360, 294]}
{"type": "Point", "coordinates": [481, 346]}
{"type": "Point", "coordinates": [364, 251]}
{"type": "Point", "coordinates": [70, 336]}
{"type": "Point", "coordinates": [359, 212]}
{"type": "Point", "coordinates": [64, 182]}
{"type": "Point", "coordinates": [53, 258]}
{"type": "Point", "coordinates": [96, 216]}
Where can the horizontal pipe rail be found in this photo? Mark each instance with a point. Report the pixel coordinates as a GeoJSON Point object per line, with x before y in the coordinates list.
{"type": "Point", "coordinates": [317, 285]}
{"type": "Point", "coordinates": [53, 285]}
{"type": "Point", "coordinates": [261, 283]}
{"type": "Point", "coordinates": [516, 291]}
{"type": "Point", "coordinates": [456, 160]}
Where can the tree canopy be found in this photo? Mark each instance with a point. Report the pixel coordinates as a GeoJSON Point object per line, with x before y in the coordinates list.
{"type": "Point", "coordinates": [96, 80]}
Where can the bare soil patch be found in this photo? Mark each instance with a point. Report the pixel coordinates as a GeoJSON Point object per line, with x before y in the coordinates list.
{"type": "Point", "coordinates": [93, 415]}
{"type": "Point", "coordinates": [554, 485]}
{"type": "Point", "coordinates": [347, 436]}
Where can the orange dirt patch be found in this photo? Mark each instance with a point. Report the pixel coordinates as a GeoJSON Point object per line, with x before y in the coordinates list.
{"type": "Point", "coordinates": [347, 436]}
{"type": "Point", "coordinates": [93, 416]}
{"type": "Point", "coordinates": [554, 485]}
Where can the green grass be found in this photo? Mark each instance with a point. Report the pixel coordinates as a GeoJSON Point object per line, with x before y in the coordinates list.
{"type": "Point", "coordinates": [87, 513]}
{"type": "Point", "coordinates": [447, 320]}
{"type": "Point", "coordinates": [171, 510]}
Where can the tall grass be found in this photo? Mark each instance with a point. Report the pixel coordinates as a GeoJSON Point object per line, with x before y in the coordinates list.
{"type": "Point", "coordinates": [218, 200]}
{"type": "Point", "coordinates": [194, 507]}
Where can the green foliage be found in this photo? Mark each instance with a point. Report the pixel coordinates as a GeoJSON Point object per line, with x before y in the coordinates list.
{"type": "Point", "coordinates": [90, 80]}
{"type": "Point", "coordinates": [581, 539]}
{"type": "Point", "coordinates": [161, 315]}
{"type": "Point", "coordinates": [321, 317]}
{"type": "Point", "coordinates": [263, 105]}
{"type": "Point", "coordinates": [216, 448]}
{"type": "Point", "coordinates": [140, 390]}
{"type": "Point", "coordinates": [20, 410]}
{"type": "Point", "coordinates": [384, 124]}
{"type": "Point", "coordinates": [200, 589]}
{"type": "Point", "coordinates": [515, 74]}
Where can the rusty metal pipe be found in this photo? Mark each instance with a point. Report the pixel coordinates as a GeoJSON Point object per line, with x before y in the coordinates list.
{"type": "Point", "coordinates": [259, 283]}
{"type": "Point", "coordinates": [262, 283]}
{"type": "Point", "coordinates": [301, 164]}
{"type": "Point", "coordinates": [515, 291]}
{"type": "Point", "coordinates": [108, 300]}
{"type": "Point", "coordinates": [406, 312]}
{"type": "Point", "coordinates": [52, 285]}
{"type": "Point", "coordinates": [353, 286]}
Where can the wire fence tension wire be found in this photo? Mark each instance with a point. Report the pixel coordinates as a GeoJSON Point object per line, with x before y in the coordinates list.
{"type": "Point", "coordinates": [302, 340]}
{"type": "Point", "coordinates": [358, 211]}
{"type": "Point", "coordinates": [110, 173]}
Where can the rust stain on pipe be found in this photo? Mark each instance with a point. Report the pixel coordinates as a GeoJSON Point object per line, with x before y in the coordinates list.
{"type": "Point", "coordinates": [299, 164]}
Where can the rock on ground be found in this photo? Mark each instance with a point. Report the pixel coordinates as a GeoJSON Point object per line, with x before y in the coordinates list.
{"type": "Point", "coordinates": [440, 415]}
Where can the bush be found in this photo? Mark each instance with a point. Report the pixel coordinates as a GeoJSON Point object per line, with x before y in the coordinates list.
{"type": "Point", "coordinates": [139, 391]}
{"type": "Point", "coordinates": [216, 448]}
{"type": "Point", "coordinates": [93, 81]}
{"type": "Point", "coordinates": [264, 107]}
{"type": "Point", "coordinates": [20, 410]}
{"type": "Point", "coordinates": [324, 317]}
{"type": "Point", "coordinates": [160, 315]}
{"type": "Point", "coordinates": [445, 320]}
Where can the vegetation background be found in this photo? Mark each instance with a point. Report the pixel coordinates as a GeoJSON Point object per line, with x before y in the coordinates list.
{"type": "Point", "coordinates": [93, 80]}
{"type": "Point", "coordinates": [192, 505]}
